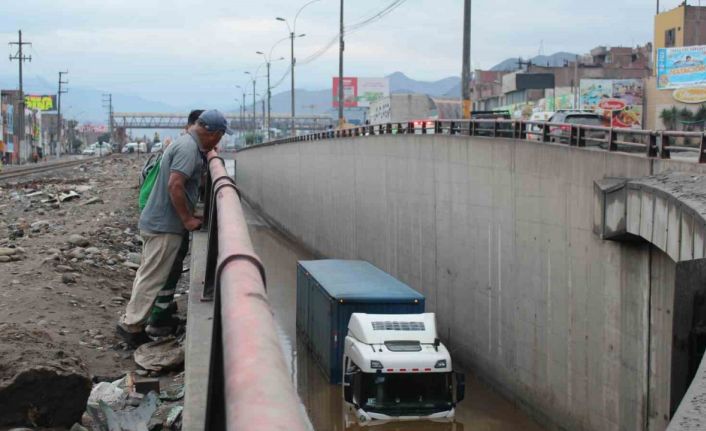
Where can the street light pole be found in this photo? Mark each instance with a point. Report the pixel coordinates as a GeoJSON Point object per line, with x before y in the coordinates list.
{"type": "Point", "coordinates": [293, 61]}
{"type": "Point", "coordinates": [340, 71]}
{"type": "Point", "coordinates": [269, 99]}
{"type": "Point", "coordinates": [466, 67]}
{"type": "Point", "coordinates": [254, 109]}
{"type": "Point", "coordinates": [292, 32]}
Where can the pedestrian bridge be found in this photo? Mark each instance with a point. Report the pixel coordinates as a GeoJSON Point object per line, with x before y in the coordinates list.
{"type": "Point", "coordinates": [570, 275]}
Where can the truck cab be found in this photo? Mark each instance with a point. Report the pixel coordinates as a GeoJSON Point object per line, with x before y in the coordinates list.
{"type": "Point", "coordinates": [395, 368]}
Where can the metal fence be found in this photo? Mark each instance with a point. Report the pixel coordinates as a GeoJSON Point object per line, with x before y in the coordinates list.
{"type": "Point", "coordinates": [659, 144]}
{"type": "Point", "coordinates": [249, 383]}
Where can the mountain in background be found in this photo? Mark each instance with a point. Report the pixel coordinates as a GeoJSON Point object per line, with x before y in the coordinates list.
{"type": "Point", "coordinates": [319, 101]}
{"type": "Point", "coordinates": [401, 83]}
{"type": "Point", "coordinates": [555, 60]}
{"type": "Point", "coordinates": [85, 104]}
{"type": "Point", "coordinates": [510, 65]}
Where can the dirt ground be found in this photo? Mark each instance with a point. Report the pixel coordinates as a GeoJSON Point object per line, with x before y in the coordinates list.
{"type": "Point", "coordinates": [66, 267]}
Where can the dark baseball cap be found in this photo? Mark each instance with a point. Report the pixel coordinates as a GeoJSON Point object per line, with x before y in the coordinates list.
{"type": "Point", "coordinates": [213, 121]}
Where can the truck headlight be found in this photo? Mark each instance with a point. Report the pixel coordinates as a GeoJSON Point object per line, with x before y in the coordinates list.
{"type": "Point", "coordinates": [441, 363]}
{"type": "Point", "coordinates": [376, 365]}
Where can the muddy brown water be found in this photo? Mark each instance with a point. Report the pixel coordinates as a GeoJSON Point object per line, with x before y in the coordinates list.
{"type": "Point", "coordinates": [482, 410]}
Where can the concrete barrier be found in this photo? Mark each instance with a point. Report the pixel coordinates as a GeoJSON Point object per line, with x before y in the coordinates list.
{"type": "Point", "coordinates": [498, 235]}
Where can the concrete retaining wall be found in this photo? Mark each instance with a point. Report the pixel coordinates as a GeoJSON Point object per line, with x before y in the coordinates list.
{"type": "Point", "coordinates": [498, 235]}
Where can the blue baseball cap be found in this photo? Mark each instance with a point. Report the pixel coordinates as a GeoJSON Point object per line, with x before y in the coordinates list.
{"type": "Point", "coordinates": [213, 121]}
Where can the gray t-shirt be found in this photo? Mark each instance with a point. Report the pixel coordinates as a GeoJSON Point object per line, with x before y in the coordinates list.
{"type": "Point", "coordinates": [184, 157]}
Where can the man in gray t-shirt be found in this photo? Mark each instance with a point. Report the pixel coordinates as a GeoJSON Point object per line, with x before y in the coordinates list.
{"type": "Point", "coordinates": [168, 215]}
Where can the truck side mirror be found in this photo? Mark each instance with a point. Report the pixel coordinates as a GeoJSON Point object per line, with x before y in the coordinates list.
{"type": "Point", "coordinates": [460, 387]}
{"type": "Point", "coordinates": [348, 387]}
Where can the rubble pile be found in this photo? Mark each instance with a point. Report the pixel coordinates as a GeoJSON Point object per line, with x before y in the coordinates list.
{"type": "Point", "coordinates": [69, 249]}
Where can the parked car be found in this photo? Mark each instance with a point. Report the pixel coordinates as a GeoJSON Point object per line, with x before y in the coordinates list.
{"type": "Point", "coordinates": [135, 147]}
{"type": "Point", "coordinates": [564, 120]}
{"type": "Point", "coordinates": [156, 147]}
{"type": "Point", "coordinates": [98, 148]}
{"type": "Point", "coordinates": [486, 128]}
{"type": "Point", "coordinates": [102, 148]}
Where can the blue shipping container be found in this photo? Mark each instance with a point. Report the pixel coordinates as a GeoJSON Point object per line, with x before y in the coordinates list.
{"type": "Point", "coordinates": [329, 291]}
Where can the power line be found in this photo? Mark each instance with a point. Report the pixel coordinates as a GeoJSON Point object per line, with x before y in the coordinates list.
{"type": "Point", "coordinates": [351, 29]}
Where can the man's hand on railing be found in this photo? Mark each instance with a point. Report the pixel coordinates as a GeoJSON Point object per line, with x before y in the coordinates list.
{"type": "Point", "coordinates": [194, 223]}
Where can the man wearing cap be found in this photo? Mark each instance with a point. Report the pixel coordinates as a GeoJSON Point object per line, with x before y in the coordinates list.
{"type": "Point", "coordinates": [166, 218]}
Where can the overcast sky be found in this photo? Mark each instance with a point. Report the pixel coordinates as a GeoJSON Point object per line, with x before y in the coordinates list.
{"type": "Point", "coordinates": [186, 52]}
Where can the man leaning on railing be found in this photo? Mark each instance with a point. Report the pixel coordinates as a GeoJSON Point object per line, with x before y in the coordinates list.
{"type": "Point", "coordinates": [167, 217]}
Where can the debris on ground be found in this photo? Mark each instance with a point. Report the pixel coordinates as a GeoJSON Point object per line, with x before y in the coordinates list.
{"type": "Point", "coordinates": [136, 419]}
{"type": "Point", "coordinates": [162, 355]}
{"type": "Point", "coordinates": [36, 377]}
{"type": "Point", "coordinates": [69, 248]}
{"type": "Point", "coordinates": [110, 393]}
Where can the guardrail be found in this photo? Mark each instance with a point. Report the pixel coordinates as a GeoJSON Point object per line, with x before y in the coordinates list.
{"type": "Point", "coordinates": [250, 385]}
{"type": "Point", "coordinates": [658, 144]}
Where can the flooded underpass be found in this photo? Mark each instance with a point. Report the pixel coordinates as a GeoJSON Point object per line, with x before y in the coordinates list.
{"type": "Point", "coordinates": [482, 409]}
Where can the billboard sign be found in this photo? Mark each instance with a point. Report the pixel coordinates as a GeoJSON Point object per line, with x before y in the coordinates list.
{"type": "Point", "coordinates": [40, 103]}
{"type": "Point", "coordinates": [620, 100]}
{"type": "Point", "coordinates": [681, 67]}
{"type": "Point", "coordinates": [693, 95]}
{"type": "Point", "coordinates": [361, 92]}
{"type": "Point", "coordinates": [92, 128]}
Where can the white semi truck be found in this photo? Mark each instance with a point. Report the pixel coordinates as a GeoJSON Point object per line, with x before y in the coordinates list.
{"type": "Point", "coordinates": [395, 368]}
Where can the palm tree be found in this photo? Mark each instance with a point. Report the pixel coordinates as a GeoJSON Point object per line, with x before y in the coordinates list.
{"type": "Point", "coordinates": [669, 118]}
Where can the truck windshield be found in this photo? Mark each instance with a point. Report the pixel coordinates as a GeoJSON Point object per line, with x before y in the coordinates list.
{"type": "Point", "coordinates": [406, 394]}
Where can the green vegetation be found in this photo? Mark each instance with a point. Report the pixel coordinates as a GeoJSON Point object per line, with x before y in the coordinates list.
{"type": "Point", "coordinates": [683, 119]}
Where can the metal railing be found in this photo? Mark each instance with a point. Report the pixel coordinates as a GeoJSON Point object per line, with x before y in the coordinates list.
{"type": "Point", "coordinates": [250, 385]}
{"type": "Point", "coordinates": [659, 144]}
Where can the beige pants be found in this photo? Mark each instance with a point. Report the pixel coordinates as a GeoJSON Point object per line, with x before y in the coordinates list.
{"type": "Point", "coordinates": [158, 253]}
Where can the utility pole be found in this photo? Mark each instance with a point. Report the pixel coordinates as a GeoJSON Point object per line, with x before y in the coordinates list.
{"type": "Point", "coordinates": [21, 58]}
{"type": "Point", "coordinates": [341, 47]}
{"type": "Point", "coordinates": [292, 36]}
{"type": "Point", "coordinates": [466, 67]}
{"type": "Point", "coordinates": [269, 99]}
{"type": "Point", "coordinates": [108, 103]}
{"type": "Point", "coordinates": [254, 108]}
{"type": "Point", "coordinates": [293, 62]}
{"type": "Point", "coordinates": [657, 7]}
{"type": "Point", "coordinates": [263, 111]}
{"type": "Point", "coordinates": [58, 111]}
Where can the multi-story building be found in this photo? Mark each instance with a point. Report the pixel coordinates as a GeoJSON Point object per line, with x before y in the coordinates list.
{"type": "Point", "coordinates": [495, 89]}
{"type": "Point", "coordinates": [683, 26]}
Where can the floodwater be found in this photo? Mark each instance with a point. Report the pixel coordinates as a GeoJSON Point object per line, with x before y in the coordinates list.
{"type": "Point", "coordinates": [482, 409]}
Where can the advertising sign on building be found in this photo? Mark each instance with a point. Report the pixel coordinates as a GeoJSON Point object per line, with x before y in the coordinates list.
{"type": "Point", "coordinates": [681, 67]}
{"type": "Point", "coordinates": [10, 120]}
{"type": "Point", "coordinates": [40, 103]}
{"type": "Point", "coordinates": [620, 100]}
{"type": "Point", "coordinates": [361, 92]}
{"type": "Point", "coordinates": [693, 95]}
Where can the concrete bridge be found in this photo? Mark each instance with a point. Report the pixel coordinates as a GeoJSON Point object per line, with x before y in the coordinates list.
{"type": "Point", "coordinates": [571, 277]}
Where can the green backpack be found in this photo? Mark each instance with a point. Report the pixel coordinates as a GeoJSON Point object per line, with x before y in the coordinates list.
{"type": "Point", "coordinates": [150, 174]}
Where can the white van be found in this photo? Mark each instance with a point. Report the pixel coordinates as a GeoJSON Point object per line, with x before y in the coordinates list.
{"type": "Point", "coordinates": [534, 132]}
